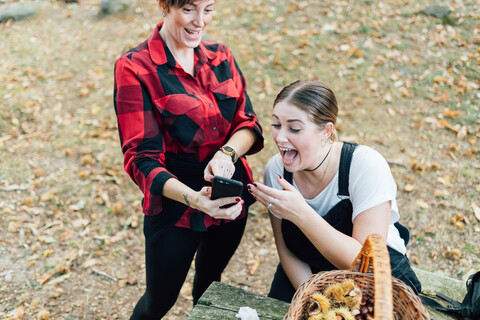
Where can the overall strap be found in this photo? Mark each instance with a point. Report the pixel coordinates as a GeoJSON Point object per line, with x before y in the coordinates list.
{"type": "Point", "coordinates": [344, 168]}
{"type": "Point", "coordinates": [288, 176]}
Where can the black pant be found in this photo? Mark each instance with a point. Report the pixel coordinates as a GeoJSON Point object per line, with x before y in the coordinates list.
{"type": "Point", "coordinates": [282, 289]}
{"type": "Point", "coordinates": [169, 253]}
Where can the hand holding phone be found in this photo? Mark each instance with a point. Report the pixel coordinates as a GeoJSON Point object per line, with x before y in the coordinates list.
{"type": "Point", "coordinates": [224, 187]}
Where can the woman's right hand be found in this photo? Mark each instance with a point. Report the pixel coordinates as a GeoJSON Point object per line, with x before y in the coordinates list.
{"type": "Point", "coordinates": [213, 207]}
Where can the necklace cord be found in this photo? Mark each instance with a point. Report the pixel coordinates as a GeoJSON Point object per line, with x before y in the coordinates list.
{"type": "Point", "coordinates": [320, 162]}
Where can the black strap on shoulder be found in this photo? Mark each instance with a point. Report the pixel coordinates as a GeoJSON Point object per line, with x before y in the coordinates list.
{"type": "Point", "coordinates": [344, 169]}
{"type": "Point", "coordinates": [288, 176]}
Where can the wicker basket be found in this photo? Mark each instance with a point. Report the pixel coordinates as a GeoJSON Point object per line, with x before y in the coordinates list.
{"type": "Point", "coordinates": [372, 274]}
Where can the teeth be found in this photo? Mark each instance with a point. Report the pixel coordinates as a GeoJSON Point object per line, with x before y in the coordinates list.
{"type": "Point", "coordinates": [284, 149]}
{"type": "Point", "coordinates": [192, 32]}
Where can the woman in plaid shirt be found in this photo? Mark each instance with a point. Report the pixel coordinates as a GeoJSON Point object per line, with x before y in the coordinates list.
{"type": "Point", "coordinates": [184, 116]}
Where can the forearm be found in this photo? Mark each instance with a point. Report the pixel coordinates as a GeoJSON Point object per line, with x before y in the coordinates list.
{"type": "Point", "coordinates": [178, 191]}
{"type": "Point", "coordinates": [242, 141]}
{"type": "Point", "coordinates": [296, 270]}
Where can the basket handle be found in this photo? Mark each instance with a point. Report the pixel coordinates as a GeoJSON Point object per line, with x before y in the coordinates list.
{"type": "Point", "coordinates": [374, 258]}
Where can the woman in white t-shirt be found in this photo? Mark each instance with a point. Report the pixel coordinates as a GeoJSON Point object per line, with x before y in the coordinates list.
{"type": "Point", "coordinates": [324, 196]}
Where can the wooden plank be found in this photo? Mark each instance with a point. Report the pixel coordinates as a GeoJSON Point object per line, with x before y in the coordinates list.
{"type": "Point", "coordinates": [222, 301]}
{"type": "Point", "coordinates": [225, 300]}
{"type": "Point", "coordinates": [433, 283]}
{"type": "Point", "coordinates": [211, 312]}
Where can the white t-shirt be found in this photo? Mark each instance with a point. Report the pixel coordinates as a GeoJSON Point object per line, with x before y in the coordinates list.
{"type": "Point", "coordinates": [370, 184]}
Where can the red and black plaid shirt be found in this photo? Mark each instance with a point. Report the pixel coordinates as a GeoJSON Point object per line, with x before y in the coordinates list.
{"type": "Point", "coordinates": [165, 113]}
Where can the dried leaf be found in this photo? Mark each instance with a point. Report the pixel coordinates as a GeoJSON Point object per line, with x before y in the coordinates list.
{"type": "Point", "coordinates": [447, 113]}
{"type": "Point", "coordinates": [409, 187]}
{"type": "Point", "coordinates": [452, 254]}
{"type": "Point", "coordinates": [252, 265]}
{"type": "Point", "coordinates": [44, 278]}
{"type": "Point", "coordinates": [422, 204]}
{"type": "Point", "coordinates": [476, 210]}
{"type": "Point", "coordinates": [444, 180]}
{"type": "Point", "coordinates": [67, 235]}
{"type": "Point", "coordinates": [43, 315]}
{"type": "Point", "coordinates": [441, 193]}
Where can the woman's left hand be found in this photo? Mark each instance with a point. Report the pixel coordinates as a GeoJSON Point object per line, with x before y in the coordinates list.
{"type": "Point", "coordinates": [287, 203]}
{"type": "Point", "coordinates": [221, 165]}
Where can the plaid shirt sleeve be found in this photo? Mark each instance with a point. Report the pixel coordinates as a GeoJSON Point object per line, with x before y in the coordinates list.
{"type": "Point", "coordinates": [140, 136]}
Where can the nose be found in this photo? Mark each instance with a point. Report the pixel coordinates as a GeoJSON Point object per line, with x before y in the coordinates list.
{"type": "Point", "coordinates": [279, 136]}
{"type": "Point", "coordinates": [199, 20]}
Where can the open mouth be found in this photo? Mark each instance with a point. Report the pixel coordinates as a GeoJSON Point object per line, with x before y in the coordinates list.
{"type": "Point", "coordinates": [193, 32]}
{"type": "Point", "coordinates": [288, 155]}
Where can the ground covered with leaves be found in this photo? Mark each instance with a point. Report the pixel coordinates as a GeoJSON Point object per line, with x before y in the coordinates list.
{"type": "Point", "coordinates": [71, 243]}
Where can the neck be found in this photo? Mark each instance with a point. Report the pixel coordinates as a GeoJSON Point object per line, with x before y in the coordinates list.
{"type": "Point", "coordinates": [178, 52]}
{"type": "Point", "coordinates": [321, 162]}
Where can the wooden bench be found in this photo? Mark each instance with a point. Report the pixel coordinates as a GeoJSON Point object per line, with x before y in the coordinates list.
{"type": "Point", "coordinates": [222, 301]}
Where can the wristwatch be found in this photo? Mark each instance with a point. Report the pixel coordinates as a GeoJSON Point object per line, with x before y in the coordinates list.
{"type": "Point", "coordinates": [230, 151]}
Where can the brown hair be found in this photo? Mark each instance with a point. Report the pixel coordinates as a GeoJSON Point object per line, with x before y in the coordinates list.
{"type": "Point", "coordinates": [175, 3]}
{"type": "Point", "coordinates": [312, 97]}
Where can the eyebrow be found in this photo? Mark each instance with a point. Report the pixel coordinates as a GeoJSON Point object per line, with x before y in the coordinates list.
{"type": "Point", "coordinates": [290, 120]}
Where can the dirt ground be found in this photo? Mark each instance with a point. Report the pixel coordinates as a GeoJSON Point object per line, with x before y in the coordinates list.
{"type": "Point", "coordinates": [71, 242]}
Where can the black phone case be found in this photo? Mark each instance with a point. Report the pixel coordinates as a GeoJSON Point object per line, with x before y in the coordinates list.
{"type": "Point", "coordinates": [224, 187]}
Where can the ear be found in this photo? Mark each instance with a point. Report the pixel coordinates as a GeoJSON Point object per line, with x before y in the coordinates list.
{"type": "Point", "coordinates": [329, 129]}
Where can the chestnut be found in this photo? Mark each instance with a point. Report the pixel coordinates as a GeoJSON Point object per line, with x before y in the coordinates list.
{"type": "Point", "coordinates": [371, 301]}
{"type": "Point", "coordinates": [364, 310]}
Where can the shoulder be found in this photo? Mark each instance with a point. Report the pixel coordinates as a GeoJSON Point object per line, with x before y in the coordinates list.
{"type": "Point", "coordinates": [367, 156]}
{"type": "Point", "coordinates": [133, 55]}
{"type": "Point", "coordinates": [216, 47]}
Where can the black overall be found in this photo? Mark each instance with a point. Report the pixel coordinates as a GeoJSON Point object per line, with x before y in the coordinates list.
{"type": "Point", "coordinates": [339, 217]}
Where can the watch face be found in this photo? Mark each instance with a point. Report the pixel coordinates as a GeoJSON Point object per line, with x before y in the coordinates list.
{"type": "Point", "coordinates": [228, 149]}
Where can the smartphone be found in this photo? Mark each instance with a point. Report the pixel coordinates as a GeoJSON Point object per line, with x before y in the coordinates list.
{"type": "Point", "coordinates": [224, 187]}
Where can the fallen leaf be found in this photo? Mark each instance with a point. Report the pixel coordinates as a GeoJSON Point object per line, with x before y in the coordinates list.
{"type": "Point", "coordinates": [476, 210]}
{"type": "Point", "coordinates": [422, 204]}
{"type": "Point", "coordinates": [43, 315]}
{"type": "Point", "coordinates": [67, 235]}
{"type": "Point", "coordinates": [43, 278]}
{"type": "Point", "coordinates": [252, 265]}
{"type": "Point", "coordinates": [451, 113]}
{"type": "Point", "coordinates": [452, 254]}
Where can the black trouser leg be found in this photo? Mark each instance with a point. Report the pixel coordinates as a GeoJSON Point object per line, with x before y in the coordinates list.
{"type": "Point", "coordinates": [217, 247]}
{"type": "Point", "coordinates": [168, 258]}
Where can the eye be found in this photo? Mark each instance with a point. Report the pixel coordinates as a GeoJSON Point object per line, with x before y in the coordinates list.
{"type": "Point", "coordinates": [276, 125]}
{"type": "Point", "coordinates": [187, 10]}
{"type": "Point", "coordinates": [209, 10]}
{"type": "Point", "coordinates": [295, 130]}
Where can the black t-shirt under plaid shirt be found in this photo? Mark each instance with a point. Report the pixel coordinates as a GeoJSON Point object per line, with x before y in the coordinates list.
{"type": "Point", "coordinates": [162, 110]}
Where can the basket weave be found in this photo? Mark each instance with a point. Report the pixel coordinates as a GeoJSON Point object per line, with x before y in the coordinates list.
{"type": "Point", "coordinates": [372, 275]}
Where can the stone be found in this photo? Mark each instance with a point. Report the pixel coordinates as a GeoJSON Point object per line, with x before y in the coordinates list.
{"type": "Point", "coordinates": [16, 12]}
{"type": "Point", "coordinates": [113, 6]}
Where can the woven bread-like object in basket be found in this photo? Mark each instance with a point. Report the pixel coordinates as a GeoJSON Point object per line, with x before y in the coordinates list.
{"type": "Point", "coordinates": [372, 274]}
